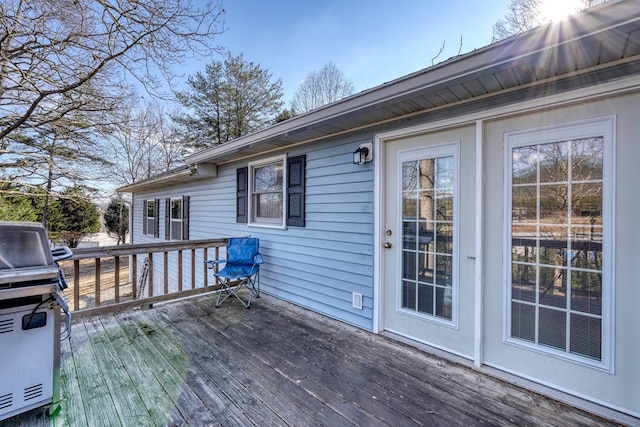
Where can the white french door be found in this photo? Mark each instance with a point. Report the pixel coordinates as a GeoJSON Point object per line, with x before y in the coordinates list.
{"type": "Point", "coordinates": [424, 229]}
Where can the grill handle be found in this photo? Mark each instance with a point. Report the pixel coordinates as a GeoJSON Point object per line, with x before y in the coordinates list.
{"type": "Point", "coordinates": [66, 332]}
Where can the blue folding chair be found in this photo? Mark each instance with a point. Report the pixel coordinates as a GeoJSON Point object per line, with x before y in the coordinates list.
{"type": "Point", "coordinates": [241, 269]}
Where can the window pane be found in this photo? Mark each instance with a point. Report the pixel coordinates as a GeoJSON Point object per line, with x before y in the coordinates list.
{"type": "Point", "coordinates": [151, 207]}
{"type": "Point", "coordinates": [524, 249]}
{"type": "Point", "coordinates": [426, 205]}
{"type": "Point", "coordinates": [553, 242]}
{"type": "Point", "coordinates": [444, 206]}
{"type": "Point", "coordinates": [443, 302]}
{"type": "Point", "coordinates": [269, 205]}
{"type": "Point", "coordinates": [524, 205]}
{"type": "Point", "coordinates": [554, 162]}
{"type": "Point", "coordinates": [444, 174]}
{"type": "Point", "coordinates": [444, 270]}
{"type": "Point", "coordinates": [267, 178]}
{"type": "Point", "coordinates": [176, 230]}
{"type": "Point", "coordinates": [587, 159]}
{"type": "Point", "coordinates": [176, 209]}
{"type": "Point", "coordinates": [408, 295]}
{"type": "Point", "coordinates": [587, 254]}
{"type": "Point", "coordinates": [586, 336]}
{"type": "Point", "coordinates": [554, 203]}
{"type": "Point", "coordinates": [426, 174]}
{"type": "Point", "coordinates": [425, 299]}
{"type": "Point", "coordinates": [553, 287]}
{"type": "Point", "coordinates": [523, 283]}
{"type": "Point", "coordinates": [444, 239]}
{"type": "Point", "coordinates": [553, 328]}
{"type": "Point", "coordinates": [409, 267]}
{"type": "Point", "coordinates": [409, 204]}
{"type": "Point", "coordinates": [586, 292]}
{"type": "Point", "coordinates": [523, 321]}
{"type": "Point", "coordinates": [409, 176]}
{"type": "Point", "coordinates": [425, 236]}
{"type": "Point", "coordinates": [525, 165]}
{"type": "Point", "coordinates": [586, 204]}
{"type": "Point", "coordinates": [426, 273]}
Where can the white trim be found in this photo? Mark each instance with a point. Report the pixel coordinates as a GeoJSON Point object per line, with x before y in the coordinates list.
{"type": "Point", "coordinates": [602, 126]}
{"type": "Point", "coordinates": [378, 233]}
{"type": "Point", "coordinates": [251, 221]}
{"type": "Point", "coordinates": [478, 333]}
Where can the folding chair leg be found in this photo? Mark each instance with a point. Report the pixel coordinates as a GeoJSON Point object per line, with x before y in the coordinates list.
{"type": "Point", "coordinates": [233, 290]}
{"type": "Point", "coordinates": [224, 287]}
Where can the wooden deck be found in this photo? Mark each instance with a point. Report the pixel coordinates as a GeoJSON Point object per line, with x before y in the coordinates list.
{"type": "Point", "coordinates": [188, 363]}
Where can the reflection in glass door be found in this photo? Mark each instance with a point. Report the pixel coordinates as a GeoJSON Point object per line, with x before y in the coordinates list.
{"type": "Point", "coordinates": [428, 236]}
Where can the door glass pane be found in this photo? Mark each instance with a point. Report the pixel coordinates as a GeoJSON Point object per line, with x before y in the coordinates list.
{"type": "Point", "coordinates": [427, 240]}
{"type": "Point", "coordinates": [587, 159]}
{"type": "Point", "coordinates": [556, 221]}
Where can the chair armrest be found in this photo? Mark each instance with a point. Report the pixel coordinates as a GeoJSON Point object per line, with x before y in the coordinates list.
{"type": "Point", "coordinates": [258, 259]}
{"type": "Point", "coordinates": [212, 262]}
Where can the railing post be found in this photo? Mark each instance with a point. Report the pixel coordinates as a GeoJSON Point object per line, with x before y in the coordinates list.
{"type": "Point", "coordinates": [150, 275]}
{"type": "Point", "coordinates": [76, 284]}
{"type": "Point", "coordinates": [180, 271]}
{"type": "Point", "coordinates": [193, 268]}
{"type": "Point", "coordinates": [215, 268]}
{"type": "Point", "coordinates": [166, 273]}
{"type": "Point", "coordinates": [205, 256]}
{"type": "Point", "coordinates": [134, 276]}
{"type": "Point", "coordinates": [116, 279]}
{"type": "Point", "coordinates": [97, 295]}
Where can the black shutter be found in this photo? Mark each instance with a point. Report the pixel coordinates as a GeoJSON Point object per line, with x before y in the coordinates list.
{"type": "Point", "coordinates": [185, 218]}
{"type": "Point", "coordinates": [295, 190]}
{"type": "Point", "coordinates": [242, 194]}
{"type": "Point", "coordinates": [144, 217]}
{"type": "Point", "coordinates": [156, 219]}
{"type": "Point", "coordinates": [167, 219]}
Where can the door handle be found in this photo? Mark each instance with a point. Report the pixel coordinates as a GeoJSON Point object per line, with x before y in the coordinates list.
{"type": "Point", "coordinates": [387, 245]}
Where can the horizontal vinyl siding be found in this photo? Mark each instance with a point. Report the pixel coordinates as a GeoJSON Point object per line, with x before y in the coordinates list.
{"type": "Point", "coordinates": [318, 266]}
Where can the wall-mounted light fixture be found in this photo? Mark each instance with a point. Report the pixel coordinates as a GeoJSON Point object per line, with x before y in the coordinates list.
{"type": "Point", "coordinates": [363, 154]}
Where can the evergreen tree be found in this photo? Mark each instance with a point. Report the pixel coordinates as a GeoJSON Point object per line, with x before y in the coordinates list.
{"type": "Point", "coordinates": [116, 219]}
{"type": "Point", "coordinates": [73, 217]}
{"type": "Point", "coordinates": [231, 99]}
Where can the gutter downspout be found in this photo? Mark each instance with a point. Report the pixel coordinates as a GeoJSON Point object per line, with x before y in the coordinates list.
{"type": "Point", "coordinates": [479, 223]}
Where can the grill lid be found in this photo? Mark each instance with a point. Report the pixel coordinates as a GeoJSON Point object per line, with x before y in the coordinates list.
{"type": "Point", "coordinates": [23, 244]}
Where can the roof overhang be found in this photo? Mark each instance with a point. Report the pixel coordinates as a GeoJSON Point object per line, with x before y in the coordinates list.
{"type": "Point", "coordinates": [173, 177]}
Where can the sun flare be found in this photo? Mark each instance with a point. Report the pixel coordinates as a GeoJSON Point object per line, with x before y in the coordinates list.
{"type": "Point", "coordinates": [555, 10]}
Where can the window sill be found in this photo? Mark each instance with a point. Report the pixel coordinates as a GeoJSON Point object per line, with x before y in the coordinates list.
{"type": "Point", "coordinates": [267, 225]}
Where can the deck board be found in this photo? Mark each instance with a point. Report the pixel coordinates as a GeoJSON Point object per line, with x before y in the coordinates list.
{"type": "Point", "coordinates": [188, 363]}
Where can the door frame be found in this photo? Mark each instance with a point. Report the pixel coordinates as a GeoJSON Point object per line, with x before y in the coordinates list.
{"type": "Point", "coordinates": [380, 196]}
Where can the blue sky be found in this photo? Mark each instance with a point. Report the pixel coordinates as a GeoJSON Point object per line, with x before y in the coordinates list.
{"type": "Point", "coordinates": [370, 41]}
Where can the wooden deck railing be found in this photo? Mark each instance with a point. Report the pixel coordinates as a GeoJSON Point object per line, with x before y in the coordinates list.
{"type": "Point", "coordinates": [112, 278]}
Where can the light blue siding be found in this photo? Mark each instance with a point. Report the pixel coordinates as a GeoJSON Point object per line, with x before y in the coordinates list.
{"type": "Point", "coordinates": [318, 266]}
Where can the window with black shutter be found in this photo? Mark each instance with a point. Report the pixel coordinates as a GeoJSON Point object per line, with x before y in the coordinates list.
{"type": "Point", "coordinates": [295, 190]}
{"type": "Point", "coordinates": [261, 192]}
{"type": "Point", "coordinates": [242, 194]}
{"type": "Point", "coordinates": [177, 218]}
